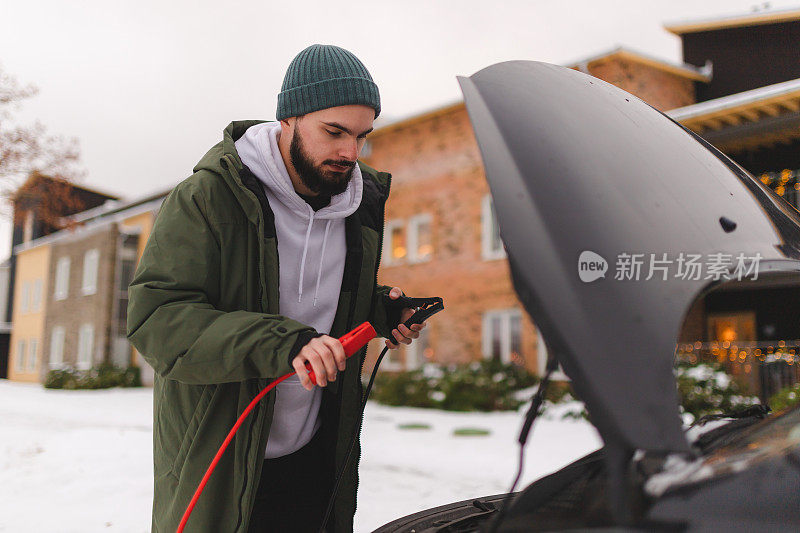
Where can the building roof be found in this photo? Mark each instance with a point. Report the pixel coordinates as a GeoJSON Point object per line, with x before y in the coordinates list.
{"type": "Point", "coordinates": [92, 219]}
{"type": "Point", "coordinates": [112, 207]}
{"type": "Point", "coordinates": [39, 177]}
{"type": "Point", "coordinates": [620, 52]}
{"type": "Point", "coordinates": [415, 119]}
{"type": "Point", "coordinates": [735, 21]}
{"type": "Point", "coordinates": [731, 120]}
{"type": "Point", "coordinates": [679, 69]}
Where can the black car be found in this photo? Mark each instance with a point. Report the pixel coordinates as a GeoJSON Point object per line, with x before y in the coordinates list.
{"type": "Point", "coordinates": [582, 172]}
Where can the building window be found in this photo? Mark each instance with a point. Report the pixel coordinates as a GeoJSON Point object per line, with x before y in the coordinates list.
{"type": "Point", "coordinates": [62, 279]}
{"type": "Point", "coordinates": [393, 358]}
{"type": "Point", "coordinates": [394, 243]}
{"type": "Point", "coordinates": [127, 258]}
{"type": "Point", "coordinates": [85, 346]}
{"type": "Point", "coordinates": [502, 335]}
{"type": "Point", "coordinates": [57, 347]}
{"type": "Point", "coordinates": [491, 244]}
{"type": "Point", "coordinates": [20, 357]}
{"type": "Point", "coordinates": [420, 245]}
{"type": "Point", "coordinates": [412, 243]}
{"type": "Point", "coordinates": [541, 360]}
{"type": "Point", "coordinates": [732, 327]}
{"type": "Point", "coordinates": [419, 351]}
{"type": "Point", "coordinates": [90, 262]}
{"type": "Point", "coordinates": [33, 347]}
{"type": "Point", "coordinates": [26, 297]}
{"type": "Point", "coordinates": [37, 295]}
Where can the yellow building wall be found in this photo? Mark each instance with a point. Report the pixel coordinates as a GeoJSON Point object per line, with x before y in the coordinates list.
{"type": "Point", "coordinates": [143, 221]}
{"type": "Point", "coordinates": [28, 325]}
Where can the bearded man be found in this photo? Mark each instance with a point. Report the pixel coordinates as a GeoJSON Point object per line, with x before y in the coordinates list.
{"type": "Point", "coordinates": [256, 264]}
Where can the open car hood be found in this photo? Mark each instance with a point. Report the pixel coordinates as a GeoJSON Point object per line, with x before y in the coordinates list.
{"type": "Point", "coordinates": [575, 164]}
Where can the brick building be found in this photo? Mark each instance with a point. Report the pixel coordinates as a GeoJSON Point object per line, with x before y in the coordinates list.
{"type": "Point", "coordinates": [441, 237]}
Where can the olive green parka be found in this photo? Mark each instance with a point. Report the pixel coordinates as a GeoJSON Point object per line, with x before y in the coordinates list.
{"type": "Point", "coordinates": [203, 312]}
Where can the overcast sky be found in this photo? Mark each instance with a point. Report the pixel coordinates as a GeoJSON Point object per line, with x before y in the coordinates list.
{"type": "Point", "coordinates": [147, 87]}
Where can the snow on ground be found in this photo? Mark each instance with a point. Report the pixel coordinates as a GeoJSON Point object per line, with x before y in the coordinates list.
{"type": "Point", "coordinates": [81, 461]}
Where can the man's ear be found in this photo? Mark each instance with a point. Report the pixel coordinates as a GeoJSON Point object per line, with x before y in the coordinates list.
{"type": "Point", "coordinates": [287, 126]}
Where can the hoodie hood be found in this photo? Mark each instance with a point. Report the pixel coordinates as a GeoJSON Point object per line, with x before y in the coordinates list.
{"type": "Point", "coordinates": [258, 150]}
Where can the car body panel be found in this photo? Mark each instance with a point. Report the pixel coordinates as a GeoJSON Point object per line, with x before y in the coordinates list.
{"type": "Point", "coordinates": [575, 164]}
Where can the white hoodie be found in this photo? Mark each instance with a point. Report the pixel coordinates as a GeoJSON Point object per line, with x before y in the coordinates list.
{"type": "Point", "coordinates": [311, 252]}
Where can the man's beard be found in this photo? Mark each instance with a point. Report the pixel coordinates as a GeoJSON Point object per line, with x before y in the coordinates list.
{"type": "Point", "coordinates": [324, 182]}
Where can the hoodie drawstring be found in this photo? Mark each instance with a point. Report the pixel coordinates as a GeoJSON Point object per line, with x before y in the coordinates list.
{"type": "Point", "coordinates": [303, 260]}
{"type": "Point", "coordinates": [321, 257]}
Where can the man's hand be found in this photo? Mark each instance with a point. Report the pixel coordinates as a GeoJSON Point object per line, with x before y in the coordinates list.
{"type": "Point", "coordinates": [402, 333]}
{"type": "Point", "coordinates": [325, 354]}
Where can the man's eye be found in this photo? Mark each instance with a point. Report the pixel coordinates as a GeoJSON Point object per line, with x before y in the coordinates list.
{"type": "Point", "coordinates": [333, 133]}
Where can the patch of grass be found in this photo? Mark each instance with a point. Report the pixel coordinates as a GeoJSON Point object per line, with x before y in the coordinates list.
{"type": "Point", "coordinates": [471, 432]}
{"type": "Point", "coordinates": [414, 426]}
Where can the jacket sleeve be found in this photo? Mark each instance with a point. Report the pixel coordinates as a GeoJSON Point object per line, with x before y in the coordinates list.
{"type": "Point", "coordinates": [384, 319]}
{"type": "Point", "coordinates": [172, 320]}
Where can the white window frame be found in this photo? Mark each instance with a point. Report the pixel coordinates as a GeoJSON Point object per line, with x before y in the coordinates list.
{"type": "Point", "coordinates": [505, 332]}
{"type": "Point", "coordinates": [61, 290]}
{"type": "Point", "coordinates": [386, 255]}
{"type": "Point", "coordinates": [57, 337]}
{"type": "Point", "coordinates": [91, 263]}
{"type": "Point", "coordinates": [33, 348]}
{"type": "Point", "coordinates": [37, 295]}
{"type": "Point", "coordinates": [487, 219]}
{"type": "Point", "coordinates": [85, 346]}
{"type": "Point", "coordinates": [412, 237]}
{"type": "Point", "coordinates": [25, 305]}
{"type": "Point", "coordinates": [19, 356]}
{"type": "Point", "coordinates": [541, 360]}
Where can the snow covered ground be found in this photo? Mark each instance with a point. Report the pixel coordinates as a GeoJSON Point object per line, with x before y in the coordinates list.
{"type": "Point", "coordinates": [81, 461]}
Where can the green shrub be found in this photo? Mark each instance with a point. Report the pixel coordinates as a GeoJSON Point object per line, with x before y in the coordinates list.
{"type": "Point", "coordinates": [101, 377]}
{"type": "Point", "coordinates": [60, 379]}
{"type": "Point", "coordinates": [785, 398]}
{"type": "Point", "coordinates": [704, 389]}
{"type": "Point", "coordinates": [486, 385]}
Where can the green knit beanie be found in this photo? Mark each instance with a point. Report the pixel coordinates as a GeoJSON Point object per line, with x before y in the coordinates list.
{"type": "Point", "coordinates": [323, 76]}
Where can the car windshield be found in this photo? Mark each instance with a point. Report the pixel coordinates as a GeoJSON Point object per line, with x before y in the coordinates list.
{"type": "Point", "coordinates": [770, 438]}
{"type": "Point", "coordinates": [774, 437]}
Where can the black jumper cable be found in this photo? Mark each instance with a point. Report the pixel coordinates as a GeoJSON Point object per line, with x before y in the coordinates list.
{"type": "Point", "coordinates": [352, 343]}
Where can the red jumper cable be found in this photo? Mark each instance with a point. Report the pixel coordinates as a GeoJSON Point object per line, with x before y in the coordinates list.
{"type": "Point", "coordinates": [351, 342]}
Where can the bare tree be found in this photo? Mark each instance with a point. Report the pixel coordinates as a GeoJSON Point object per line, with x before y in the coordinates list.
{"type": "Point", "coordinates": [28, 154]}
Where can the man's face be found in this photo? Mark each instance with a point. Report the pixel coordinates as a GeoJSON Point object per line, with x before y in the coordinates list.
{"type": "Point", "coordinates": [325, 145]}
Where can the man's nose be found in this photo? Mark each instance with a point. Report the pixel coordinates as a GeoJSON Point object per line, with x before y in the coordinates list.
{"type": "Point", "coordinates": [349, 150]}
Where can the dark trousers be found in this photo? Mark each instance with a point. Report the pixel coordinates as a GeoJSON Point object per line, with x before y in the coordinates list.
{"type": "Point", "coordinates": [293, 491]}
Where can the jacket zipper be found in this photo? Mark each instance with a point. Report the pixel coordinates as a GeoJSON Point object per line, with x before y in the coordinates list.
{"type": "Point", "coordinates": [257, 409]}
{"type": "Point", "coordinates": [361, 360]}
